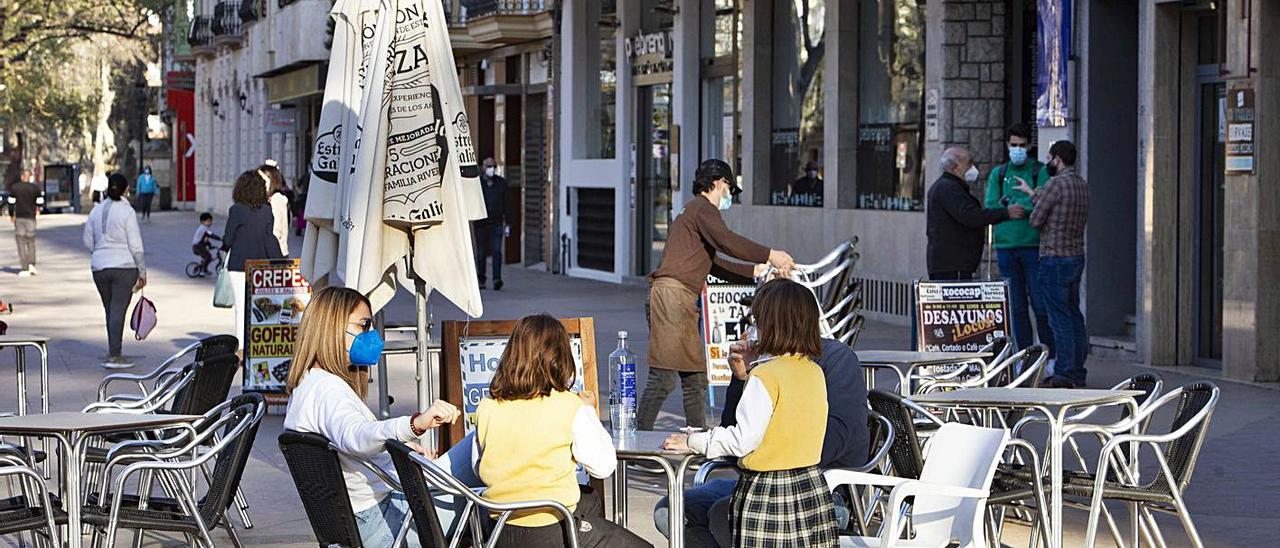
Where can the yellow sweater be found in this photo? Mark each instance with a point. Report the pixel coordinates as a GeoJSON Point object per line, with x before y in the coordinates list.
{"type": "Point", "coordinates": [526, 453]}
{"type": "Point", "coordinates": [793, 438]}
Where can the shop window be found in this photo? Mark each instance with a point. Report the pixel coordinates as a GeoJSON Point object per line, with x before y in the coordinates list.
{"type": "Point", "coordinates": [722, 84]}
{"type": "Point", "coordinates": [891, 96]}
{"type": "Point", "coordinates": [601, 79]}
{"type": "Point", "coordinates": [796, 139]}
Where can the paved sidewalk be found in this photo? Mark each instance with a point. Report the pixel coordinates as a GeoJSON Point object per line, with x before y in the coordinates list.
{"type": "Point", "coordinates": [1235, 494]}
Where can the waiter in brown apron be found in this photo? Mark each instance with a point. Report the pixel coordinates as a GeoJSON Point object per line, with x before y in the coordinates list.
{"type": "Point", "coordinates": [693, 243]}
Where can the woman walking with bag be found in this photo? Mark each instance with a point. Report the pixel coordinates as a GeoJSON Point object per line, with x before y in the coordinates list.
{"type": "Point", "coordinates": [112, 236]}
{"type": "Point", "coordinates": [248, 235]}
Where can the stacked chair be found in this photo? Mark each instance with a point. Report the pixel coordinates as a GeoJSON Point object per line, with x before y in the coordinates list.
{"type": "Point", "coordinates": [837, 291]}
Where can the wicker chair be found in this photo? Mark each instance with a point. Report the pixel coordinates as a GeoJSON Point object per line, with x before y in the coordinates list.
{"type": "Point", "coordinates": [17, 514]}
{"type": "Point", "coordinates": [317, 474]}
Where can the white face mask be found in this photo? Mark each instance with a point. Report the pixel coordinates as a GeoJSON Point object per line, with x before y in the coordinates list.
{"type": "Point", "coordinates": [488, 171]}
{"type": "Point", "coordinates": [971, 176]}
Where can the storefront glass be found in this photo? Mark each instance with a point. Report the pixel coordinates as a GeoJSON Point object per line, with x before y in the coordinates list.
{"type": "Point", "coordinates": [721, 85]}
{"type": "Point", "coordinates": [602, 92]}
{"type": "Point", "coordinates": [891, 95]}
{"type": "Point", "coordinates": [796, 139]}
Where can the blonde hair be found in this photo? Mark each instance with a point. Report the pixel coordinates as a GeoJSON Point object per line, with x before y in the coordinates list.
{"type": "Point", "coordinates": [322, 342]}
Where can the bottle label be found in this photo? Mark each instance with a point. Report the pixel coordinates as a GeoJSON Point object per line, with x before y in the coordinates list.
{"type": "Point", "coordinates": [627, 384]}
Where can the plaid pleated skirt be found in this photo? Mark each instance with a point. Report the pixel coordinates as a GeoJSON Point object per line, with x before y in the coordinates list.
{"type": "Point", "coordinates": [783, 508]}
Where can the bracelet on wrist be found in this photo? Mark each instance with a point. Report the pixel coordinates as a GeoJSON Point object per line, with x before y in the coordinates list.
{"type": "Point", "coordinates": [414, 428]}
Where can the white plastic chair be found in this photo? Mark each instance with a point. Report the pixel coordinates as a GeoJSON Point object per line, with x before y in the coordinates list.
{"type": "Point", "coordinates": [950, 496]}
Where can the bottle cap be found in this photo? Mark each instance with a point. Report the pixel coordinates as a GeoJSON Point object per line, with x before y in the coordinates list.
{"type": "Point", "coordinates": [622, 334]}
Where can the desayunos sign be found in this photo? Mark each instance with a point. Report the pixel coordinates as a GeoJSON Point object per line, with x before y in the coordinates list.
{"type": "Point", "coordinates": [961, 316]}
{"type": "Point", "coordinates": [480, 358]}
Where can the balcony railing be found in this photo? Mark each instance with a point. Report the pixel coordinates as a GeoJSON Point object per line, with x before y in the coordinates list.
{"type": "Point", "coordinates": [482, 8]}
{"type": "Point", "coordinates": [201, 33]}
{"type": "Point", "coordinates": [226, 19]}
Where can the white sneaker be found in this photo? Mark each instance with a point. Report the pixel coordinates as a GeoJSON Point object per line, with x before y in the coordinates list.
{"type": "Point", "coordinates": [117, 362]}
{"type": "Point", "coordinates": [33, 270]}
{"type": "Point", "coordinates": [25, 274]}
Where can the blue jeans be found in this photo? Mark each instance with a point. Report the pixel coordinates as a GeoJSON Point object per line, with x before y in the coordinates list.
{"type": "Point", "coordinates": [379, 525]}
{"type": "Point", "coordinates": [706, 514]}
{"type": "Point", "coordinates": [488, 238]}
{"type": "Point", "coordinates": [1060, 280]}
{"type": "Point", "coordinates": [1020, 267]}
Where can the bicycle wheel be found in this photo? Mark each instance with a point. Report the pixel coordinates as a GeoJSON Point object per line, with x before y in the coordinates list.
{"type": "Point", "coordinates": [193, 269]}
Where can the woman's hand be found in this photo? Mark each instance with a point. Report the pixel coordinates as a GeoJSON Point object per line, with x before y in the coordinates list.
{"type": "Point", "coordinates": [782, 261]}
{"type": "Point", "coordinates": [142, 282]}
{"type": "Point", "coordinates": [740, 355]}
{"type": "Point", "coordinates": [589, 399]}
{"type": "Point", "coordinates": [440, 413]}
{"type": "Point", "coordinates": [677, 442]}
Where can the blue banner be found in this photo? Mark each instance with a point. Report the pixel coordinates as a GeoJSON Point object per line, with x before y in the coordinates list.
{"type": "Point", "coordinates": [1052, 54]}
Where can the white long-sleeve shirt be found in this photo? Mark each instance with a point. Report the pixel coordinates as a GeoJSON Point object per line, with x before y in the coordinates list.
{"type": "Point", "coordinates": [324, 404]}
{"type": "Point", "coordinates": [754, 411]}
{"type": "Point", "coordinates": [111, 234]}
{"type": "Point", "coordinates": [280, 224]}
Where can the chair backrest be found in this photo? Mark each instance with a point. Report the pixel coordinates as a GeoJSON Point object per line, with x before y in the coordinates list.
{"type": "Point", "coordinates": [1026, 368]}
{"type": "Point", "coordinates": [1000, 348]}
{"type": "Point", "coordinates": [317, 475]}
{"type": "Point", "coordinates": [418, 494]}
{"type": "Point", "coordinates": [1195, 408]}
{"type": "Point", "coordinates": [960, 455]}
{"type": "Point", "coordinates": [246, 411]}
{"type": "Point", "coordinates": [904, 453]}
{"type": "Point", "coordinates": [217, 345]}
{"type": "Point", "coordinates": [1150, 384]}
{"type": "Point", "coordinates": [209, 387]}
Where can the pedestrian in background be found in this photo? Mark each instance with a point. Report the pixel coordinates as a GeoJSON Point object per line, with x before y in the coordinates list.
{"type": "Point", "coordinates": [955, 220]}
{"type": "Point", "coordinates": [248, 235]}
{"type": "Point", "coordinates": [112, 236]}
{"type": "Point", "coordinates": [146, 191]}
{"type": "Point", "coordinates": [25, 199]}
{"type": "Point", "coordinates": [1060, 214]}
{"type": "Point", "coordinates": [696, 239]}
{"type": "Point", "coordinates": [279, 197]}
{"type": "Point", "coordinates": [1017, 243]}
{"type": "Point", "coordinates": [490, 231]}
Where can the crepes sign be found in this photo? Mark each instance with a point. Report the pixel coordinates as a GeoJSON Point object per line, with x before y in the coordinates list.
{"type": "Point", "coordinates": [276, 295]}
{"type": "Point", "coordinates": [960, 316]}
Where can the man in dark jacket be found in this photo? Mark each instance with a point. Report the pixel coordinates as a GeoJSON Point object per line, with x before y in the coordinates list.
{"type": "Point", "coordinates": [955, 220]}
{"type": "Point", "coordinates": [489, 232]}
{"type": "Point", "coordinates": [846, 443]}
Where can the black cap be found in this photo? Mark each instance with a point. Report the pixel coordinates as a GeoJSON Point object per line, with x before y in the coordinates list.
{"type": "Point", "coordinates": [713, 170]}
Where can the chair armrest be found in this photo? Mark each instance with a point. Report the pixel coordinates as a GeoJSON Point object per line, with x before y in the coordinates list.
{"type": "Point", "coordinates": [707, 467]}
{"type": "Point", "coordinates": [845, 476]}
{"type": "Point", "coordinates": [364, 461]}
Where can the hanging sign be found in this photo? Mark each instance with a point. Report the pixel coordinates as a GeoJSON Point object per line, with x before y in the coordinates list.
{"type": "Point", "coordinates": [275, 296]}
{"type": "Point", "coordinates": [960, 316]}
{"type": "Point", "coordinates": [1053, 52]}
{"type": "Point", "coordinates": [1239, 138]}
{"type": "Point", "coordinates": [722, 325]}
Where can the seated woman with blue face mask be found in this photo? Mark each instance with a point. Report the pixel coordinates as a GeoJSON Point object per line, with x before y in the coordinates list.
{"type": "Point", "coordinates": [327, 384]}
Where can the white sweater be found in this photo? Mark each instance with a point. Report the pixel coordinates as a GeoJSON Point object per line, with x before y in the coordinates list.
{"type": "Point", "coordinates": [115, 240]}
{"type": "Point", "coordinates": [324, 404]}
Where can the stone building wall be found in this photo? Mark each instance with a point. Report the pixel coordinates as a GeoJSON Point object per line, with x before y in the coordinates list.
{"type": "Point", "coordinates": [973, 85]}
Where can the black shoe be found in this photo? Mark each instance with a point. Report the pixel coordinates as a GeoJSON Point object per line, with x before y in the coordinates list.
{"type": "Point", "coordinates": [497, 285]}
{"type": "Point", "coordinates": [1061, 382]}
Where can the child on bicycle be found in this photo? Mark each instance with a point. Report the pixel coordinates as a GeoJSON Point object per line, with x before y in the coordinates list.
{"type": "Point", "coordinates": [200, 243]}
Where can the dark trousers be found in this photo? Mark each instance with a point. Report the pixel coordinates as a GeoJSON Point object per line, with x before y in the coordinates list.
{"type": "Point", "coordinates": [202, 251]}
{"type": "Point", "coordinates": [24, 232]}
{"type": "Point", "coordinates": [660, 383]}
{"type": "Point", "coordinates": [488, 238]}
{"type": "Point", "coordinates": [1060, 278]}
{"type": "Point", "coordinates": [144, 204]}
{"type": "Point", "coordinates": [1021, 269]}
{"type": "Point", "coordinates": [593, 531]}
{"type": "Point", "coordinates": [115, 286]}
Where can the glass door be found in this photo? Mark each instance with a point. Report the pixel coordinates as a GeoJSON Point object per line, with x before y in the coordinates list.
{"type": "Point", "coordinates": [1209, 225]}
{"type": "Point", "coordinates": [653, 174]}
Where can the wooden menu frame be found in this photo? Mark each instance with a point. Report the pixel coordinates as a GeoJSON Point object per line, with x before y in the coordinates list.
{"type": "Point", "coordinates": [451, 368]}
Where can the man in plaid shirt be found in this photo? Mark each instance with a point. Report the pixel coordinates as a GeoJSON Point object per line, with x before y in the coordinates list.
{"type": "Point", "coordinates": [1061, 209]}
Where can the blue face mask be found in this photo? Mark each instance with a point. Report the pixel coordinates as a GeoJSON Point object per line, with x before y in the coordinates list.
{"type": "Point", "coordinates": [1017, 155]}
{"type": "Point", "coordinates": [366, 349]}
{"type": "Point", "coordinates": [726, 203]}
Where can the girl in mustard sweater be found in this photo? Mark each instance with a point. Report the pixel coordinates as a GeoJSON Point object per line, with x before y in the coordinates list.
{"type": "Point", "coordinates": [532, 432]}
{"type": "Point", "coordinates": [781, 499]}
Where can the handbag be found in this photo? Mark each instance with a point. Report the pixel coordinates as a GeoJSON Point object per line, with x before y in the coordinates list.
{"type": "Point", "coordinates": [224, 295]}
{"type": "Point", "coordinates": [143, 319]}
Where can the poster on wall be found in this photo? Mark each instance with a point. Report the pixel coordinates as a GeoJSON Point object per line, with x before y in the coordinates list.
{"type": "Point", "coordinates": [1239, 131]}
{"type": "Point", "coordinates": [1052, 55]}
{"type": "Point", "coordinates": [275, 296]}
{"type": "Point", "coordinates": [960, 316]}
{"type": "Point", "coordinates": [722, 325]}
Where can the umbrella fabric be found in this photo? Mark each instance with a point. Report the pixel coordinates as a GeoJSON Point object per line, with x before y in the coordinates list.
{"type": "Point", "coordinates": [331, 161]}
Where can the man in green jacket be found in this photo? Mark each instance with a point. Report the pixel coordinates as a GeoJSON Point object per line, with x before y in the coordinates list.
{"type": "Point", "coordinates": [1017, 243]}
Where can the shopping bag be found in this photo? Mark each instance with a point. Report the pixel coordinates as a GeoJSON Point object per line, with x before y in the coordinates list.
{"type": "Point", "coordinates": [224, 295]}
{"type": "Point", "coordinates": [143, 319]}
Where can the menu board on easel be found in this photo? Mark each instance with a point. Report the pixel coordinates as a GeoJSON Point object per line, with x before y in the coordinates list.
{"type": "Point", "coordinates": [275, 296]}
{"type": "Point", "coordinates": [472, 352]}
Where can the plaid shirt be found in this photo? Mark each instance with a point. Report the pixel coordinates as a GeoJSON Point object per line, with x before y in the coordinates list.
{"type": "Point", "coordinates": [1060, 212]}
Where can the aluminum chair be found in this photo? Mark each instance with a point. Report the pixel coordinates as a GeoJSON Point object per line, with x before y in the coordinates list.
{"type": "Point", "coordinates": [192, 517]}
{"type": "Point", "coordinates": [27, 513]}
{"type": "Point", "coordinates": [949, 498]}
{"type": "Point", "coordinates": [200, 350]}
{"type": "Point", "coordinates": [407, 460]}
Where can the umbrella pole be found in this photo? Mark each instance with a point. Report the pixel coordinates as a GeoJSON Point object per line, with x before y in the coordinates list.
{"type": "Point", "coordinates": [426, 374]}
{"type": "Point", "coordinates": [384, 384]}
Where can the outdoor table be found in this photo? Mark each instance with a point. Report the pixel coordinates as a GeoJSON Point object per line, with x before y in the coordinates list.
{"type": "Point", "coordinates": [902, 362]}
{"type": "Point", "coordinates": [647, 446]}
{"type": "Point", "coordinates": [20, 344]}
{"type": "Point", "coordinates": [1054, 403]}
{"type": "Point", "coordinates": [71, 430]}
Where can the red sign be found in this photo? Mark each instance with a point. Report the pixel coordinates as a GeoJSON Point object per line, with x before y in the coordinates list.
{"type": "Point", "coordinates": [183, 103]}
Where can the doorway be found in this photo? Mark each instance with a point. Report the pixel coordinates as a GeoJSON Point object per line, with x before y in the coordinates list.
{"type": "Point", "coordinates": [1209, 222]}
{"type": "Point", "coordinates": [653, 174]}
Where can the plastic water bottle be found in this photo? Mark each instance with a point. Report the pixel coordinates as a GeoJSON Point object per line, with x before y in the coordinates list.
{"type": "Point", "coordinates": [622, 388]}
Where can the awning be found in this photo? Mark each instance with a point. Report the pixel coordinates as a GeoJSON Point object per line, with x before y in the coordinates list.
{"type": "Point", "coordinates": [301, 79]}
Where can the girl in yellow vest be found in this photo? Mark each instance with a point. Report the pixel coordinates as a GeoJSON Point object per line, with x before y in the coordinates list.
{"type": "Point", "coordinates": [781, 499]}
{"type": "Point", "coordinates": [532, 432]}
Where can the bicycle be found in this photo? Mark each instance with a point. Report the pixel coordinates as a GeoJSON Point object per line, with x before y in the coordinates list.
{"type": "Point", "coordinates": [193, 267]}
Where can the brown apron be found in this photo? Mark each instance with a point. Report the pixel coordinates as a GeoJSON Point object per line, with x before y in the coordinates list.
{"type": "Point", "coordinates": [675, 342]}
